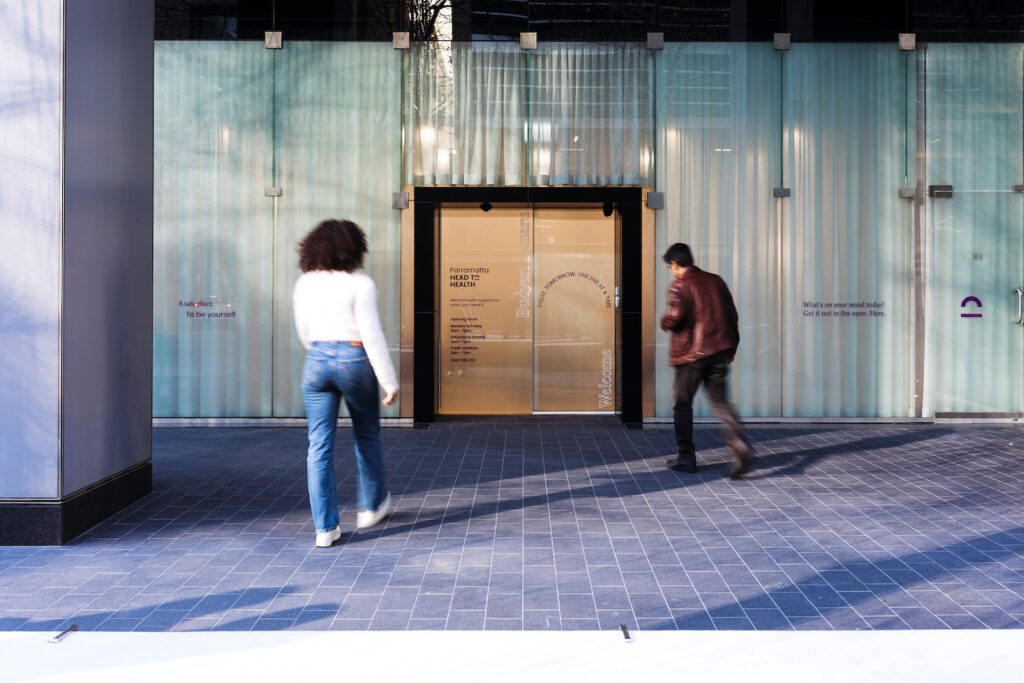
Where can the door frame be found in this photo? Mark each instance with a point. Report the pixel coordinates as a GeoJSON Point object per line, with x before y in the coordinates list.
{"type": "Point", "coordinates": [427, 203]}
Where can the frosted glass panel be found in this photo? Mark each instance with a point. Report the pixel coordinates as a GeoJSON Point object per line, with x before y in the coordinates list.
{"type": "Point", "coordinates": [718, 159]}
{"type": "Point", "coordinates": [493, 114]}
{"type": "Point", "coordinates": [338, 147]}
{"type": "Point", "coordinates": [847, 237]}
{"type": "Point", "coordinates": [212, 232]}
{"type": "Point", "coordinates": [321, 121]}
{"type": "Point", "coordinates": [975, 237]}
{"type": "Point", "coordinates": [465, 110]}
{"type": "Point", "coordinates": [590, 114]}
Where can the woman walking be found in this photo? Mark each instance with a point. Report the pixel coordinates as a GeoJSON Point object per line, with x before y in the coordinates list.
{"type": "Point", "coordinates": [347, 354]}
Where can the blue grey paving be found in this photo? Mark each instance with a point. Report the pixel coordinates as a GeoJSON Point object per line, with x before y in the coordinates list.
{"type": "Point", "coordinates": [556, 524]}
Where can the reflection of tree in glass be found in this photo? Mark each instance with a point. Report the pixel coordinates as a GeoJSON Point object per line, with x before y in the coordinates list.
{"type": "Point", "coordinates": [421, 18]}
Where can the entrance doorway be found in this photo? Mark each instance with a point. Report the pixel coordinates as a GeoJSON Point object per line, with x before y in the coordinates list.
{"type": "Point", "coordinates": [528, 302]}
{"type": "Point", "coordinates": [545, 338]}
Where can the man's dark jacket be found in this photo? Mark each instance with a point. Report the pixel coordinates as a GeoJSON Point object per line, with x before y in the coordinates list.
{"type": "Point", "coordinates": [701, 316]}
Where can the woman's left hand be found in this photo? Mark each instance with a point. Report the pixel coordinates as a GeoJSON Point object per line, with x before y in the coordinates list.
{"type": "Point", "coordinates": [390, 398]}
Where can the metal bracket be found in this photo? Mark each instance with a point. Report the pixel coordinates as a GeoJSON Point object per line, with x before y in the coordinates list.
{"type": "Point", "coordinates": [272, 192]}
{"type": "Point", "coordinates": [655, 41]}
{"type": "Point", "coordinates": [272, 40]}
{"type": "Point", "coordinates": [908, 42]}
{"type": "Point", "coordinates": [399, 200]}
{"type": "Point", "coordinates": [1018, 188]}
{"type": "Point", "coordinates": [528, 40]}
{"type": "Point", "coordinates": [907, 193]}
{"type": "Point", "coordinates": [656, 200]}
{"type": "Point", "coordinates": [940, 191]}
{"type": "Point", "coordinates": [781, 192]}
{"type": "Point", "coordinates": [400, 40]}
{"type": "Point", "coordinates": [782, 41]}
{"type": "Point", "coordinates": [63, 634]}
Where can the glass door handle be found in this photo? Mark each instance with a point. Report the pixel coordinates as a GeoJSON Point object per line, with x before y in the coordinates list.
{"type": "Point", "coordinates": [1020, 307]}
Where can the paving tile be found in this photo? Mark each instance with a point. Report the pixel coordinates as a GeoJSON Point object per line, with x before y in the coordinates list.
{"type": "Point", "coordinates": [639, 582]}
{"type": "Point", "coordinates": [466, 620]}
{"type": "Point", "coordinates": [469, 598]}
{"type": "Point", "coordinates": [398, 598]}
{"type": "Point", "coordinates": [580, 624]}
{"type": "Point", "coordinates": [919, 617]}
{"type": "Point", "coordinates": [538, 556]}
{"type": "Point", "coordinates": [503, 625]}
{"type": "Point", "coordinates": [406, 576]}
{"type": "Point", "coordinates": [649, 605]}
{"type": "Point", "coordinates": [794, 605]}
{"type": "Point", "coordinates": [438, 584]}
{"type": "Point", "coordinates": [605, 576]}
{"type": "Point", "coordinates": [768, 619]}
{"type": "Point", "coordinates": [390, 620]}
{"type": "Point", "coordinates": [612, 619]}
{"type": "Point", "coordinates": [570, 562]}
{"type": "Point", "coordinates": [541, 620]}
{"type": "Point", "coordinates": [370, 583]}
{"type": "Point", "coordinates": [359, 607]}
{"type": "Point", "coordinates": [693, 621]}
{"type": "Point", "coordinates": [116, 624]}
{"type": "Point", "coordinates": [539, 576]}
{"type": "Point", "coordinates": [342, 624]}
{"type": "Point", "coordinates": [504, 606]}
{"type": "Point", "coordinates": [577, 606]}
{"type": "Point", "coordinates": [432, 607]}
{"type": "Point", "coordinates": [612, 598]}
{"type": "Point", "coordinates": [573, 582]}
{"type": "Point", "coordinates": [161, 620]}
{"type": "Point", "coordinates": [845, 619]}
{"type": "Point", "coordinates": [473, 576]}
{"type": "Point", "coordinates": [314, 620]}
{"type": "Point", "coordinates": [963, 622]}
{"type": "Point", "coordinates": [994, 617]}
{"type": "Point", "coordinates": [476, 557]}
{"type": "Point", "coordinates": [540, 598]}
{"type": "Point", "coordinates": [541, 518]}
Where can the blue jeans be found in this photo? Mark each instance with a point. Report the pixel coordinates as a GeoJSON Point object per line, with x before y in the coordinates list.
{"type": "Point", "coordinates": [334, 370]}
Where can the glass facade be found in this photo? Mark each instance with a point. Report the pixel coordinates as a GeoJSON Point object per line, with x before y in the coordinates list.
{"type": "Point", "coordinates": [782, 169]}
{"type": "Point", "coordinates": [319, 121]}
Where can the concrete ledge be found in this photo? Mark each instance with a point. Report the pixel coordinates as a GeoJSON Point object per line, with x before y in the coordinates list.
{"type": "Point", "coordinates": [264, 422]}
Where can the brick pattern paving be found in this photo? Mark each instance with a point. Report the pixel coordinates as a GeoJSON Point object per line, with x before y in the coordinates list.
{"type": "Point", "coordinates": [554, 524]}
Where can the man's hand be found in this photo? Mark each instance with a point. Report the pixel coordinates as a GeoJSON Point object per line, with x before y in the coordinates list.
{"type": "Point", "coordinates": [390, 398]}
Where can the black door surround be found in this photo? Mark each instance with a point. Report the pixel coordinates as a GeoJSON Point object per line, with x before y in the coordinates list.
{"type": "Point", "coordinates": [426, 207]}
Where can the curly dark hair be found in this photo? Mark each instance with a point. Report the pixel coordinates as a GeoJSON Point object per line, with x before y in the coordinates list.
{"type": "Point", "coordinates": [333, 245]}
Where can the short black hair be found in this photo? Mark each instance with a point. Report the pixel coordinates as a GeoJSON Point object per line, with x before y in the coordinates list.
{"type": "Point", "coordinates": [333, 245]}
{"type": "Point", "coordinates": [680, 254]}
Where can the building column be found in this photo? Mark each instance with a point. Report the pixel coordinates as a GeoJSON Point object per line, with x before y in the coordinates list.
{"type": "Point", "coordinates": [76, 264]}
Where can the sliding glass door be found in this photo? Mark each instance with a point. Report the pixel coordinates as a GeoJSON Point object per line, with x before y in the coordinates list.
{"type": "Point", "coordinates": [528, 302]}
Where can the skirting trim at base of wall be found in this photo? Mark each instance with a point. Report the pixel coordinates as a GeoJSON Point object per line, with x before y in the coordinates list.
{"type": "Point", "coordinates": [59, 521]}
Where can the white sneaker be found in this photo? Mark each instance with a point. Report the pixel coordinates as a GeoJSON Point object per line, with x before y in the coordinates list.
{"type": "Point", "coordinates": [324, 539]}
{"type": "Point", "coordinates": [367, 518]}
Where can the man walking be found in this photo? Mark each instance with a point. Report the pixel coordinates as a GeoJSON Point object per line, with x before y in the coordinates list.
{"type": "Point", "coordinates": [702, 318]}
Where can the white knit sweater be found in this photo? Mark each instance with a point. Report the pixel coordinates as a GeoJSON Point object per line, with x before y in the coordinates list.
{"type": "Point", "coordinates": [332, 305]}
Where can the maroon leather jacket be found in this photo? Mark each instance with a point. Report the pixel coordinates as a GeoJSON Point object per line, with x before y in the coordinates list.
{"type": "Point", "coordinates": [701, 316]}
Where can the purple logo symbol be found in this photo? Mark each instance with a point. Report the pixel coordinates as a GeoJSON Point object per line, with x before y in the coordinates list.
{"type": "Point", "coordinates": [963, 304]}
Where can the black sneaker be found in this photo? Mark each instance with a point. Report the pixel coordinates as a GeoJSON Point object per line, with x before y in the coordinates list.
{"type": "Point", "coordinates": [682, 464]}
{"type": "Point", "coordinates": [740, 465]}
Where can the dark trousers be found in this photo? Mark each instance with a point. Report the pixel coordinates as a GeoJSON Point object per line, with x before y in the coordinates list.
{"type": "Point", "coordinates": [712, 371]}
